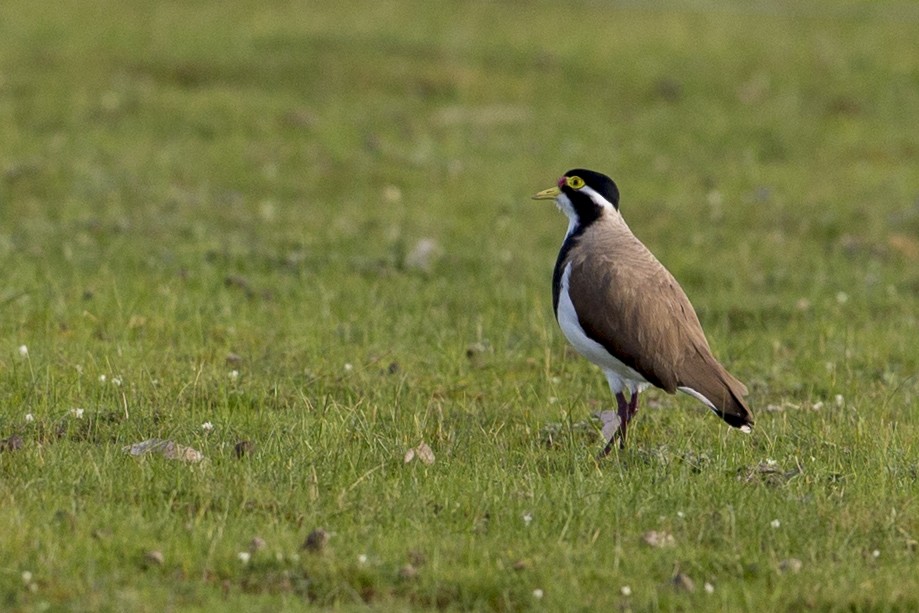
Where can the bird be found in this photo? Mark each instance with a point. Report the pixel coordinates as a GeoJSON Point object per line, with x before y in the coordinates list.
{"type": "Point", "coordinates": [620, 308]}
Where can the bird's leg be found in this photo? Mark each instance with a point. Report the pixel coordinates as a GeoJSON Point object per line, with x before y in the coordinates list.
{"type": "Point", "coordinates": [623, 412]}
{"type": "Point", "coordinates": [630, 410]}
{"type": "Point", "coordinates": [626, 412]}
{"type": "Point", "coordinates": [633, 405]}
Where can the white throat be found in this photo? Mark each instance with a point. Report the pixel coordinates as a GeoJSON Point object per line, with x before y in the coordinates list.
{"type": "Point", "coordinates": [564, 205]}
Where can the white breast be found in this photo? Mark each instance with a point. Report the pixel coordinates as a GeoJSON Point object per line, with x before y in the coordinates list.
{"type": "Point", "coordinates": [618, 374]}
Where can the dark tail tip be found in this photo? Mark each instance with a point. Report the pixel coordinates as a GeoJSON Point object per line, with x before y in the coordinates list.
{"type": "Point", "coordinates": [737, 421]}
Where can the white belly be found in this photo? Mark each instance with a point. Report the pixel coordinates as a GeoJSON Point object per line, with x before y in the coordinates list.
{"type": "Point", "coordinates": [618, 374]}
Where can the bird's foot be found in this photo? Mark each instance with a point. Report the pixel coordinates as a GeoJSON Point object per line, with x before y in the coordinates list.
{"type": "Point", "coordinates": [611, 425]}
{"type": "Point", "coordinates": [616, 424]}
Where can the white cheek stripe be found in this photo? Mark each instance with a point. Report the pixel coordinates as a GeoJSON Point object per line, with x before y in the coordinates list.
{"type": "Point", "coordinates": [596, 197]}
{"type": "Point", "coordinates": [617, 374]}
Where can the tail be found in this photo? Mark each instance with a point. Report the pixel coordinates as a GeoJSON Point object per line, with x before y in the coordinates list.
{"type": "Point", "coordinates": [720, 391]}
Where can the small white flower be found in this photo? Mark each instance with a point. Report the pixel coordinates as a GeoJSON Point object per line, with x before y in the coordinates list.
{"type": "Point", "coordinates": [362, 558]}
{"type": "Point", "coordinates": [26, 576]}
{"type": "Point", "coordinates": [840, 400]}
{"type": "Point", "coordinates": [207, 426]}
{"type": "Point", "coordinates": [625, 590]}
{"type": "Point", "coordinates": [527, 518]}
{"type": "Point", "coordinates": [537, 593]}
{"type": "Point", "coordinates": [775, 523]}
{"type": "Point", "coordinates": [234, 375]}
{"type": "Point", "coordinates": [116, 381]}
{"type": "Point", "coordinates": [23, 351]}
{"type": "Point", "coordinates": [244, 556]}
{"type": "Point", "coordinates": [78, 413]}
{"type": "Point", "coordinates": [770, 462]}
{"type": "Point", "coordinates": [876, 553]}
{"type": "Point", "coordinates": [29, 418]}
{"type": "Point", "coordinates": [680, 514]}
{"type": "Point", "coordinates": [102, 378]}
{"type": "Point", "coordinates": [709, 588]}
{"type": "Point", "coordinates": [349, 367]}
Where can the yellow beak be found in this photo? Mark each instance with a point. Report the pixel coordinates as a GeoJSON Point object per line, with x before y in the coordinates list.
{"type": "Point", "coordinates": [547, 194]}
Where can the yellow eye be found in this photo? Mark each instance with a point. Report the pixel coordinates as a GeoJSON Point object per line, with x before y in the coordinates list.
{"type": "Point", "coordinates": [575, 182]}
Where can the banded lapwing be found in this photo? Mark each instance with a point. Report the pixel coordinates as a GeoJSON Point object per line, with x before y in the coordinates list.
{"type": "Point", "coordinates": [622, 310]}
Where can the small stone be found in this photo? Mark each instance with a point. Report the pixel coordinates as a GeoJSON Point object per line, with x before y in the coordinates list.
{"type": "Point", "coordinates": [13, 443]}
{"type": "Point", "coordinates": [154, 558]}
{"type": "Point", "coordinates": [417, 558]}
{"type": "Point", "coordinates": [234, 359]}
{"type": "Point", "coordinates": [392, 194]}
{"type": "Point", "coordinates": [168, 449]}
{"type": "Point", "coordinates": [316, 541]}
{"type": "Point", "coordinates": [520, 565]}
{"type": "Point", "coordinates": [425, 454]}
{"type": "Point", "coordinates": [659, 539]}
{"type": "Point", "coordinates": [475, 349]}
{"type": "Point", "coordinates": [243, 448]}
{"type": "Point", "coordinates": [423, 255]}
{"type": "Point", "coordinates": [682, 581]}
{"type": "Point", "coordinates": [257, 544]}
{"type": "Point", "coordinates": [408, 572]}
{"type": "Point", "coordinates": [791, 565]}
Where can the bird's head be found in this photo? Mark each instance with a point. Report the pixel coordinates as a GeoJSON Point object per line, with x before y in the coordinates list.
{"type": "Point", "coordinates": [582, 195]}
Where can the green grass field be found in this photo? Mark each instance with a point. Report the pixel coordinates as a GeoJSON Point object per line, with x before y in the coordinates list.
{"type": "Point", "coordinates": [308, 225]}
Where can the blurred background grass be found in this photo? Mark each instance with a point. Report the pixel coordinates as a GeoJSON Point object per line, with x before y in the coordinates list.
{"type": "Point", "coordinates": [331, 200]}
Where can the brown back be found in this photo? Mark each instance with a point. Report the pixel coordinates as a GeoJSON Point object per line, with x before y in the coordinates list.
{"type": "Point", "coordinates": [628, 302]}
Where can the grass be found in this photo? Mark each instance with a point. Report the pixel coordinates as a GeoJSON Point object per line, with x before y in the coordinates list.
{"type": "Point", "coordinates": [212, 212]}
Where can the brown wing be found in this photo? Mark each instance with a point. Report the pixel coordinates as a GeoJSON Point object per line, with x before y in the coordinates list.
{"type": "Point", "coordinates": [629, 303]}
